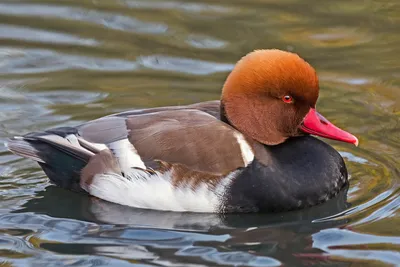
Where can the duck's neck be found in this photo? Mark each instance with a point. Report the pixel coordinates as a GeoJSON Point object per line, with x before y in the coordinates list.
{"type": "Point", "coordinates": [303, 172]}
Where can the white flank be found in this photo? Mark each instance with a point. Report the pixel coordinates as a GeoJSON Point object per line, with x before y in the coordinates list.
{"type": "Point", "coordinates": [155, 191]}
{"type": "Point", "coordinates": [247, 152]}
{"type": "Point", "coordinates": [126, 155]}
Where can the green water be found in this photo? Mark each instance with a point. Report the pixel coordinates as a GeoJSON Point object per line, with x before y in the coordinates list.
{"type": "Point", "coordinates": [64, 62]}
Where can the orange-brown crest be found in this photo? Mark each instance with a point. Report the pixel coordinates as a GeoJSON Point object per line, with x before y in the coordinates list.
{"type": "Point", "coordinates": [252, 94]}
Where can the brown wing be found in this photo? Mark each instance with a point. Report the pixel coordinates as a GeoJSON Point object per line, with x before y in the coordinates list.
{"type": "Point", "coordinates": [187, 136]}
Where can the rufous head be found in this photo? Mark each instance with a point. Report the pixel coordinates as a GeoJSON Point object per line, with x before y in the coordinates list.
{"type": "Point", "coordinates": [271, 95]}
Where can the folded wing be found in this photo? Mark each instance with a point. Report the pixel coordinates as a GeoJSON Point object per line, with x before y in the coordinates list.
{"type": "Point", "coordinates": [189, 137]}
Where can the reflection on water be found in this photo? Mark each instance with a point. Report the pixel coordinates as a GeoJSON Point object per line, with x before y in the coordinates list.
{"type": "Point", "coordinates": [63, 62]}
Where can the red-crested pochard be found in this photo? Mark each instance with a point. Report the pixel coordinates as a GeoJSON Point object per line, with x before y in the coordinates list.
{"type": "Point", "coordinates": [249, 152]}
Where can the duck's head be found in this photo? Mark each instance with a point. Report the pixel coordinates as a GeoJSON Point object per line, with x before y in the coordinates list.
{"type": "Point", "coordinates": [271, 95]}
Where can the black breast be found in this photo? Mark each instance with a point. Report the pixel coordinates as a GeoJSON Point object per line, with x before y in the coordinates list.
{"type": "Point", "coordinates": [304, 171]}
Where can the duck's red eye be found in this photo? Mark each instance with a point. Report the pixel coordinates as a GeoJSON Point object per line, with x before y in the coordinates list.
{"type": "Point", "coordinates": [287, 99]}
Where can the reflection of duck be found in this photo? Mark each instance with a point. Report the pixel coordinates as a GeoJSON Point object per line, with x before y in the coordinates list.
{"type": "Point", "coordinates": [56, 202]}
{"type": "Point", "coordinates": [240, 154]}
{"type": "Point", "coordinates": [132, 233]}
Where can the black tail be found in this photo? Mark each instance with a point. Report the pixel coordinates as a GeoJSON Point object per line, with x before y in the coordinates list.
{"type": "Point", "coordinates": [57, 151]}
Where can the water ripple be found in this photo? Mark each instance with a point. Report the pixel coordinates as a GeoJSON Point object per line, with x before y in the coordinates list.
{"type": "Point", "coordinates": [205, 42]}
{"type": "Point", "coordinates": [177, 5]}
{"type": "Point", "coordinates": [109, 20]}
{"type": "Point", "coordinates": [40, 61]}
{"type": "Point", "coordinates": [347, 244]}
{"type": "Point", "coordinates": [228, 258]}
{"type": "Point", "coordinates": [185, 65]}
{"type": "Point", "coordinates": [35, 35]}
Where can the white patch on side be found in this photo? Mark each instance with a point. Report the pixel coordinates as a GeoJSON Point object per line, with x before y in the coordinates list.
{"type": "Point", "coordinates": [73, 139]}
{"type": "Point", "coordinates": [155, 191]}
{"type": "Point", "coordinates": [247, 152]}
{"type": "Point", "coordinates": [126, 155]}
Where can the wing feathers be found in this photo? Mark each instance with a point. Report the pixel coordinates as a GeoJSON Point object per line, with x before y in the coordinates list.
{"type": "Point", "coordinates": [104, 130]}
{"type": "Point", "coordinates": [189, 137]}
{"type": "Point", "coordinates": [22, 148]}
{"type": "Point", "coordinates": [64, 145]}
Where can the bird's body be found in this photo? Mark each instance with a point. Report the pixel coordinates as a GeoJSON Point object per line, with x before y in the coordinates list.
{"type": "Point", "coordinates": [245, 153]}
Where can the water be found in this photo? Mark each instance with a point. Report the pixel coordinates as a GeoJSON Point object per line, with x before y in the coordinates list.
{"type": "Point", "coordinates": [64, 62]}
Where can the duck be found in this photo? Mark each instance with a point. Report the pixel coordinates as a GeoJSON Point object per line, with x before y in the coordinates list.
{"type": "Point", "coordinates": [254, 150]}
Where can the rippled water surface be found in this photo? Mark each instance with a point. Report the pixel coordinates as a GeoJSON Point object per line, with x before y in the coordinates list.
{"type": "Point", "coordinates": [63, 62]}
